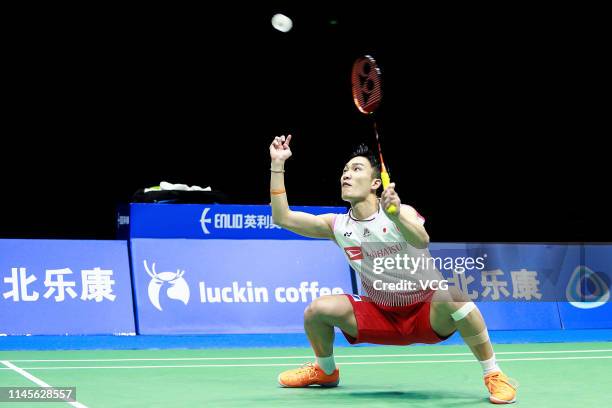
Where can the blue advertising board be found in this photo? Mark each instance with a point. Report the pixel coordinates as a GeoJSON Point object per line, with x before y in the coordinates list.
{"type": "Point", "coordinates": [518, 285]}
{"type": "Point", "coordinates": [186, 286]}
{"type": "Point", "coordinates": [65, 287]}
{"type": "Point", "coordinates": [532, 273]}
{"type": "Point", "coordinates": [588, 303]}
{"type": "Point", "coordinates": [523, 286]}
{"type": "Point", "coordinates": [206, 221]}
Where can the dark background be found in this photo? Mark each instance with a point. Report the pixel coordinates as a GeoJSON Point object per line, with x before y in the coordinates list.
{"type": "Point", "coordinates": [480, 121]}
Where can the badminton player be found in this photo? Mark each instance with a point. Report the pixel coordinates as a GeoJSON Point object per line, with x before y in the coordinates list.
{"type": "Point", "coordinates": [378, 316]}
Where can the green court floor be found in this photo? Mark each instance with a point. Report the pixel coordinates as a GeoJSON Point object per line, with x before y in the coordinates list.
{"type": "Point", "coordinates": [550, 375]}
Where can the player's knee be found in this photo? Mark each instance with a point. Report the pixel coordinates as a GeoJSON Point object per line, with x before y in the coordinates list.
{"type": "Point", "coordinates": [320, 307]}
{"type": "Point", "coordinates": [443, 308]}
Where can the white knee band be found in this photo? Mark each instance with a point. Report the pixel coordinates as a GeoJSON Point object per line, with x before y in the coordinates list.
{"type": "Point", "coordinates": [463, 311]}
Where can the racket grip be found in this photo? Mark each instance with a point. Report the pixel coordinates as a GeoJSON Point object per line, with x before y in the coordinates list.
{"type": "Point", "coordinates": [385, 182]}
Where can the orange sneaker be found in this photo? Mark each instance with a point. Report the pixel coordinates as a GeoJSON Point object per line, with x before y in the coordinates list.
{"type": "Point", "coordinates": [308, 374]}
{"type": "Point", "coordinates": [501, 388]}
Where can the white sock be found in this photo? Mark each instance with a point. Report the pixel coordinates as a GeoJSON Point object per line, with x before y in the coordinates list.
{"type": "Point", "coordinates": [327, 364]}
{"type": "Point", "coordinates": [490, 365]}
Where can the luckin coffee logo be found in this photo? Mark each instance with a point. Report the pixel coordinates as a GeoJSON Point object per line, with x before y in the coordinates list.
{"type": "Point", "coordinates": [176, 286]}
{"type": "Point", "coordinates": [586, 289]}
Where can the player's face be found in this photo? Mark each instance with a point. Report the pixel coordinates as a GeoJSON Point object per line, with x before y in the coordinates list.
{"type": "Point", "coordinates": [357, 182]}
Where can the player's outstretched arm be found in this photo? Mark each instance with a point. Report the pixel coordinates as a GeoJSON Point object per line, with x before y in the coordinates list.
{"type": "Point", "coordinates": [309, 225]}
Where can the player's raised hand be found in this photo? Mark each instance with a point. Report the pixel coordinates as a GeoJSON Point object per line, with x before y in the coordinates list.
{"type": "Point", "coordinates": [279, 149]}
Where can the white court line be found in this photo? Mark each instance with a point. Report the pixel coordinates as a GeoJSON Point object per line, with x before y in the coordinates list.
{"type": "Point", "coordinates": [37, 381]}
{"type": "Point", "coordinates": [310, 357]}
{"type": "Point", "coordinates": [293, 365]}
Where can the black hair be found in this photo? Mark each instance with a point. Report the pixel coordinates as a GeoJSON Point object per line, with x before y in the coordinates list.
{"type": "Point", "coordinates": [364, 151]}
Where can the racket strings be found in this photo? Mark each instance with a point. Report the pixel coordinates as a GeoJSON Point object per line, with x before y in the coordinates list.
{"type": "Point", "coordinates": [366, 84]}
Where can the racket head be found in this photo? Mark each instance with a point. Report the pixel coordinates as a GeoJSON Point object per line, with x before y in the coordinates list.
{"type": "Point", "coordinates": [366, 83]}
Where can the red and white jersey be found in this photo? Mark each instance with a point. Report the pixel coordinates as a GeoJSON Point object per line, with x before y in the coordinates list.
{"type": "Point", "coordinates": [353, 236]}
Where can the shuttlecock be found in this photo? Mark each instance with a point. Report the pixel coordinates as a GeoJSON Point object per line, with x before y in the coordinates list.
{"type": "Point", "coordinates": [281, 22]}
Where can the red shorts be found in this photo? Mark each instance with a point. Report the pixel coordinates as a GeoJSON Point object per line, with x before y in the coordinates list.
{"type": "Point", "coordinates": [391, 325]}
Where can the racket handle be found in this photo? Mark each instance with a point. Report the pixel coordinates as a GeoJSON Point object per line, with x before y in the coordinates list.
{"type": "Point", "coordinates": [385, 182]}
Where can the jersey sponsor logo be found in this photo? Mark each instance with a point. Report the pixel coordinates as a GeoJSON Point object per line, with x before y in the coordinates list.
{"type": "Point", "coordinates": [348, 234]}
{"type": "Point", "coordinates": [386, 250]}
{"type": "Point", "coordinates": [366, 233]}
{"type": "Point", "coordinates": [353, 252]}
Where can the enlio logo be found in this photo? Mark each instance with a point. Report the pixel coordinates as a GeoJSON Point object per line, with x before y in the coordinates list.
{"type": "Point", "coordinates": [204, 220]}
{"type": "Point", "coordinates": [586, 289]}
